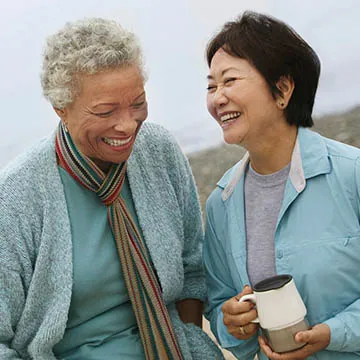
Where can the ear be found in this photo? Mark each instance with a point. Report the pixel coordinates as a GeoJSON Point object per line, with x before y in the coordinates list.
{"type": "Point", "coordinates": [286, 86]}
{"type": "Point", "coordinates": [61, 113]}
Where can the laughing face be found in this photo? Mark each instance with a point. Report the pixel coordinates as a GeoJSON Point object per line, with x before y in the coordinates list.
{"type": "Point", "coordinates": [240, 100]}
{"type": "Point", "coordinates": [105, 117]}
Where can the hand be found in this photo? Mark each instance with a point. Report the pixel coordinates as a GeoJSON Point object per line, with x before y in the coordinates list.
{"type": "Point", "coordinates": [238, 316]}
{"type": "Point", "coordinates": [316, 339]}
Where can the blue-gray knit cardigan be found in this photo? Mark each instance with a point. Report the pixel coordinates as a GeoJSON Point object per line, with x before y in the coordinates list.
{"type": "Point", "coordinates": [36, 243]}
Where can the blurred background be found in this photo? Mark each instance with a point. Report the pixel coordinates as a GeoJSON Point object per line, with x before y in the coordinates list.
{"type": "Point", "coordinates": [173, 34]}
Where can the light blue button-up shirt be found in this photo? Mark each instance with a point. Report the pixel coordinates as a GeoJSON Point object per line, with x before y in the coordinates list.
{"type": "Point", "coordinates": [317, 241]}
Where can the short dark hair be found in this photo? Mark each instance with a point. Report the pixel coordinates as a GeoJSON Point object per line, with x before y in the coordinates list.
{"type": "Point", "coordinates": [275, 50]}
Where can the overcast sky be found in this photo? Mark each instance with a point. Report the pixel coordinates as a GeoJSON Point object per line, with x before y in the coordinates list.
{"type": "Point", "coordinates": [173, 34]}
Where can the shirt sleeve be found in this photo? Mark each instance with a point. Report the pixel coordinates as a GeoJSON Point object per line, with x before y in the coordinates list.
{"type": "Point", "coordinates": [220, 289]}
{"type": "Point", "coordinates": [345, 329]}
{"type": "Point", "coordinates": [345, 326]}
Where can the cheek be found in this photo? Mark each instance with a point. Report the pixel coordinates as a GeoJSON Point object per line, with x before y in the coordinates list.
{"type": "Point", "coordinates": [210, 106]}
{"type": "Point", "coordinates": [145, 114]}
{"type": "Point", "coordinates": [141, 115]}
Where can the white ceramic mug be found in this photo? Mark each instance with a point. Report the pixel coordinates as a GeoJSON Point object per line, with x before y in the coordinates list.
{"type": "Point", "coordinates": [281, 311]}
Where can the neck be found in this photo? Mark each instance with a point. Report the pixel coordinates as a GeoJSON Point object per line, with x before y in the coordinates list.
{"type": "Point", "coordinates": [273, 152]}
{"type": "Point", "coordinates": [103, 165]}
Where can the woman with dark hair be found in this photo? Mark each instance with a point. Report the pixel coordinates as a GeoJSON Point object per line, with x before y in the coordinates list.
{"type": "Point", "coordinates": [290, 206]}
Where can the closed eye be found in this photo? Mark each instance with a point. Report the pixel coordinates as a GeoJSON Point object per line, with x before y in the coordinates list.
{"type": "Point", "coordinates": [139, 105]}
{"type": "Point", "coordinates": [229, 81]}
{"type": "Point", "coordinates": [104, 114]}
{"type": "Point", "coordinates": [211, 88]}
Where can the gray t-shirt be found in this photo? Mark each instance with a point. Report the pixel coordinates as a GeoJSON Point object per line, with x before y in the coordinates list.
{"type": "Point", "coordinates": [263, 199]}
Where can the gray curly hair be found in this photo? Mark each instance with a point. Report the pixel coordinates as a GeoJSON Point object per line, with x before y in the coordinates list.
{"type": "Point", "coordinates": [85, 47]}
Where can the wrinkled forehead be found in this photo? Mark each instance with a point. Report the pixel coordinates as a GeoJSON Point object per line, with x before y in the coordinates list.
{"type": "Point", "coordinates": [114, 85]}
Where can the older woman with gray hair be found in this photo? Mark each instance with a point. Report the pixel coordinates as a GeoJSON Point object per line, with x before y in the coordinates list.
{"type": "Point", "coordinates": [100, 228]}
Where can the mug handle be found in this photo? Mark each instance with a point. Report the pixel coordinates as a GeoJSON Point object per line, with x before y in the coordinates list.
{"type": "Point", "coordinates": [251, 298]}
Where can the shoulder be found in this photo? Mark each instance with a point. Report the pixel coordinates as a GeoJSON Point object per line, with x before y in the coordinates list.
{"type": "Point", "coordinates": [344, 159]}
{"type": "Point", "coordinates": [319, 152]}
{"type": "Point", "coordinates": [156, 144]}
{"type": "Point", "coordinates": [337, 149]}
{"type": "Point", "coordinates": [22, 179]}
{"type": "Point", "coordinates": [154, 135]}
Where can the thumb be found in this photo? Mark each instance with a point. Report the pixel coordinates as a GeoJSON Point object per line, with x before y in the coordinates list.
{"type": "Point", "coordinates": [247, 290]}
{"type": "Point", "coordinates": [305, 336]}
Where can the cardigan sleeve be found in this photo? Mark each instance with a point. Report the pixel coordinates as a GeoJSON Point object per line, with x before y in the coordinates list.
{"type": "Point", "coordinates": [12, 292]}
{"type": "Point", "coordinates": [194, 277]}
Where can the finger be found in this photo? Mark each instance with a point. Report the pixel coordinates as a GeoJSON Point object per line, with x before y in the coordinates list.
{"type": "Point", "coordinates": [242, 332]}
{"type": "Point", "coordinates": [245, 291]}
{"type": "Point", "coordinates": [251, 328]}
{"type": "Point", "coordinates": [305, 337]}
{"type": "Point", "coordinates": [247, 317]}
{"type": "Point", "coordinates": [239, 319]}
{"type": "Point", "coordinates": [233, 307]}
{"type": "Point", "coordinates": [266, 349]}
{"type": "Point", "coordinates": [319, 333]}
{"type": "Point", "coordinates": [302, 353]}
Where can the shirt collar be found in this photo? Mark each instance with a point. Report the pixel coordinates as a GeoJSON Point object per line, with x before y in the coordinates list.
{"type": "Point", "coordinates": [309, 158]}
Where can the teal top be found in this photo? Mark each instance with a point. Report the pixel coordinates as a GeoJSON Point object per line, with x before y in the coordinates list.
{"type": "Point", "coordinates": [101, 323]}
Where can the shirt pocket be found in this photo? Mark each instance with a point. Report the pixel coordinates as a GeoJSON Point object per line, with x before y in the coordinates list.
{"type": "Point", "coordinates": [325, 271]}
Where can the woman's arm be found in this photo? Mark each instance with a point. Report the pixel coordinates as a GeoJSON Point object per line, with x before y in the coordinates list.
{"type": "Point", "coordinates": [190, 311]}
{"type": "Point", "coordinates": [12, 294]}
{"type": "Point", "coordinates": [193, 234]}
{"type": "Point", "coordinates": [221, 289]}
{"type": "Point", "coordinates": [11, 300]}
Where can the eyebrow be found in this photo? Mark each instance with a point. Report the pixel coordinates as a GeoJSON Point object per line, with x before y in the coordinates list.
{"type": "Point", "coordinates": [114, 104]}
{"type": "Point", "coordinates": [102, 104]}
{"type": "Point", "coordinates": [209, 77]}
{"type": "Point", "coordinates": [142, 94]}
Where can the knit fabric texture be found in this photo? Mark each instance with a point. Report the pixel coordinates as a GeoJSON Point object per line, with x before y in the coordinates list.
{"type": "Point", "coordinates": [36, 244]}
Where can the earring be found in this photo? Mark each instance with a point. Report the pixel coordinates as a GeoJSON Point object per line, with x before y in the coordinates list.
{"type": "Point", "coordinates": [65, 127]}
{"type": "Point", "coordinates": [281, 104]}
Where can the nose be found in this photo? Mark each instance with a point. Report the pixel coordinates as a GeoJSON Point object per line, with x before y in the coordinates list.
{"type": "Point", "coordinates": [125, 124]}
{"type": "Point", "coordinates": [220, 98]}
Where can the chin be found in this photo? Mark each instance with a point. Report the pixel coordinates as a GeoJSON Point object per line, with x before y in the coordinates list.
{"type": "Point", "coordinates": [231, 141]}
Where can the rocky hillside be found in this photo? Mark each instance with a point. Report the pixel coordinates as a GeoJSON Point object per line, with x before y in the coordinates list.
{"type": "Point", "coordinates": [209, 165]}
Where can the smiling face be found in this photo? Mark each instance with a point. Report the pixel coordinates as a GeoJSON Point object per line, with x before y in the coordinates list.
{"type": "Point", "coordinates": [240, 100]}
{"type": "Point", "coordinates": [105, 117]}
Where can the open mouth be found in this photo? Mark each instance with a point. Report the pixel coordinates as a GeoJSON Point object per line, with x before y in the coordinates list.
{"type": "Point", "coordinates": [230, 116]}
{"type": "Point", "coordinates": [117, 142]}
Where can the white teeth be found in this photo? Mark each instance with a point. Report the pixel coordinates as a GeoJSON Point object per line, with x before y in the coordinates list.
{"type": "Point", "coordinates": [230, 116]}
{"type": "Point", "coordinates": [117, 142]}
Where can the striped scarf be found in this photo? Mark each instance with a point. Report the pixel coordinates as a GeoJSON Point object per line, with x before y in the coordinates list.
{"type": "Point", "coordinates": [156, 331]}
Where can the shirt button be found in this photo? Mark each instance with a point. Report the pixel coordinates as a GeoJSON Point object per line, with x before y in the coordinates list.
{"type": "Point", "coordinates": [280, 254]}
